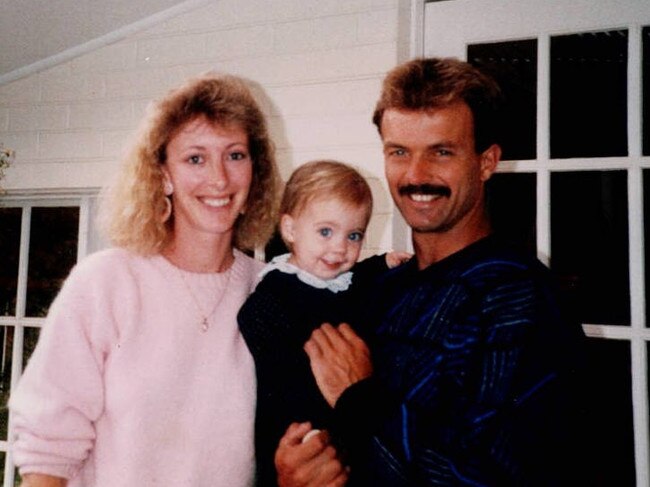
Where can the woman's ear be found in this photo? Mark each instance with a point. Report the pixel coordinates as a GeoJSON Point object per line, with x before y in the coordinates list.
{"type": "Point", "coordinates": [286, 228]}
{"type": "Point", "coordinates": [168, 187]}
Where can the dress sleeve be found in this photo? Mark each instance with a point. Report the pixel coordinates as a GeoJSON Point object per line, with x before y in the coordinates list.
{"type": "Point", "coordinates": [368, 271]}
{"type": "Point", "coordinates": [490, 405]}
{"type": "Point", "coordinates": [60, 394]}
{"type": "Point", "coordinates": [265, 317]}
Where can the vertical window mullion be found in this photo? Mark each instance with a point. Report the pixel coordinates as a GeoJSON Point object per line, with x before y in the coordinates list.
{"type": "Point", "coordinates": [634, 92]}
{"type": "Point", "coordinates": [640, 407]}
{"type": "Point", "coordinates": [17, 350]}
{"type": "Point", "coordinates": [543, 144]}
{"type": "Point", "coordinates": [636, 257]}
{"type": "Point", "coordinates": [638, 323]}
{"type": "Point", "coordinates": [84, 227]}
{"type": "Point", "coordinates": [21, 298]}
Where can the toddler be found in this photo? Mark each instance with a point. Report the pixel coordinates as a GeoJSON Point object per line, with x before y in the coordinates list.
{"type": "Point", "coordinates": [324, 213]}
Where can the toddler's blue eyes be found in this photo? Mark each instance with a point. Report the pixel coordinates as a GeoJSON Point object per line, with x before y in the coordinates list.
{"type": "Point", "coordinates": [352, 237]}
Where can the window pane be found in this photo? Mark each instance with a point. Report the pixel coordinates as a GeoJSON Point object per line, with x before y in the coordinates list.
{"type": "Point", "coordinates": [2, 465]}
{"type": "Point", "coordinates": [52, 253]}
{"type": "Point", "coordinates": [589, 94]}
{"type": "Point", "coordinates": [7, 337]}
{"type": "Point", "coordinates": [646, 231]}
{"type": "Point", "coordinates": [511, 199]}
{"type": "Point", "coordinates": [610, 413]}
{"type": "Point", "coordinates": [646, 91]}
{"type": "Point", "coordinates": [29, 343]}
{"type": "Point", "coordinates": [589, 243]}
{"type": "Point", "coordinates": [9, 253]}
{"type": "Point", "coordinates": [514, 66]}
{"type": "Point", "coordinates": [7, 334]}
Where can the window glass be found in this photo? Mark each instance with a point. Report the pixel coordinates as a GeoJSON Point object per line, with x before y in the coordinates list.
{"type": "Point", "coordinates": [589, 94]}
{"type": "Point", "coordinates": [511, 201]}
{"type": "Point", "coordinates": [609, 413]}
{"type": "Point", "coordinates": [589, 243]}
{"type": "Point", "coordinates": [646, 233]}
{"type": "Point", "coordinates": [52, 253]}
{"type": "Point", "coordinates": [7, 337]}
{"type": "Point", "coordinates": [29, 343]}
{"type": "Point", "coordinates": [30, 338]}
{"type": "Point", "coordinates": [514, 66]}
{"type": "Point", "coordinates": [2, 465]}
{"type": "Point", "coordinates": [9, 253]}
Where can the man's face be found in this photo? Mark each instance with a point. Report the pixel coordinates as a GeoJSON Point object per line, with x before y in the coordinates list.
{"type": "Point", "coordinates": [435, 176]}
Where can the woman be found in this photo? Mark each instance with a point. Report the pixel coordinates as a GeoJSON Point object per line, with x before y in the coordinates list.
{"type": "Point", "coordinates": [141, 376]}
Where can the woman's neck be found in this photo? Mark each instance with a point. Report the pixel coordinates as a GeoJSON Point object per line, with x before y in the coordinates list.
{"type": "Point", "coordinates": [211, 255]}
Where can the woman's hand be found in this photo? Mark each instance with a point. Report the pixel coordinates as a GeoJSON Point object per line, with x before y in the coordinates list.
{"type": "Point", "coordinates": [338, 359]}
{"type": "Point", "coordinates": [310, 463]}
{"type": "Point", "coordinates": [42, 480]}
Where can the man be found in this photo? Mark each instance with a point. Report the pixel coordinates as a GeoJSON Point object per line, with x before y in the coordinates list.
{"type": "Point", "coordinates": [475, 364]}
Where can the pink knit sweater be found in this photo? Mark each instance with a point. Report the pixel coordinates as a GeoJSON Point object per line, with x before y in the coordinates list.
{"type": "Point", "coordinates": [124, 389]}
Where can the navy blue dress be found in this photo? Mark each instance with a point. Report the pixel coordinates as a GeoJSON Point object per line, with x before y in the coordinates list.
{"type": "Point", "coordinates": [276, 321]}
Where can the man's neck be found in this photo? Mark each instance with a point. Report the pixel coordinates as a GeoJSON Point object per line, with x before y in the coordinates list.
{"type": "Point", "coordinates": [432, 247]}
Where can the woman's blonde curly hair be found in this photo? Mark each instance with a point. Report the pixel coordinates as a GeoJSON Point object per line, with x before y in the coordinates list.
{"type": "Point", "coordinates": [134, 207]}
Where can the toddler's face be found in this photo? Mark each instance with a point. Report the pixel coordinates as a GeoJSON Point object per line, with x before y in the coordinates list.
{"type": "Point", "coordinates": [326, 236]}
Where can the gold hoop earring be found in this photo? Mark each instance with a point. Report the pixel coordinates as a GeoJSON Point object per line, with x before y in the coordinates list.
{"type": "Point", "coordinates": [168, 209]}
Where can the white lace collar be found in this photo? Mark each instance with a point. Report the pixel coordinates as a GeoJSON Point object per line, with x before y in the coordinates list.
{"type": "Point", "coordinates": [281, 262]}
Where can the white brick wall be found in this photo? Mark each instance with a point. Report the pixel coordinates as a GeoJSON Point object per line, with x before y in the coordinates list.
{"type": "Point", "coordinates": [318, 64]}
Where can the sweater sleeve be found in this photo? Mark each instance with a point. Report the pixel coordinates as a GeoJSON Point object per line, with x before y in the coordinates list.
{"type": "Point", "coordinates": [61, 393]}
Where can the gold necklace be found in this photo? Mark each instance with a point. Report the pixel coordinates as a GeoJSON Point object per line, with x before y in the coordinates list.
{"type": "Point", "coordinates": [205, 324]}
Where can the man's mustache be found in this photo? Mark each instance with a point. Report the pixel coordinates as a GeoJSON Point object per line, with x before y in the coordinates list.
{"type": "Point", "coordinates": [431, 189]}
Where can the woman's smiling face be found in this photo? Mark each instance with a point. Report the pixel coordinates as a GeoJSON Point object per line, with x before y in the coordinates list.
{"type": "Point", "coordinates": [210, 168]}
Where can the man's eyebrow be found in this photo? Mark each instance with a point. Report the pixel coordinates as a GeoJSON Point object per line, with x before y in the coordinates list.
{"type": "Point", "coordinates": [445, 144]}
{"type": "Point", "coordinates": [388, 143]}
{"type": "Point", "coordinates": [442, 145]}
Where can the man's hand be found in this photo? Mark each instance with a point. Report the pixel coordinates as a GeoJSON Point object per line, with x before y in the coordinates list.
{"type": "Point", "coordinates": [338, 359]}
{"type": "Point", "coordinates": [313, 463]}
